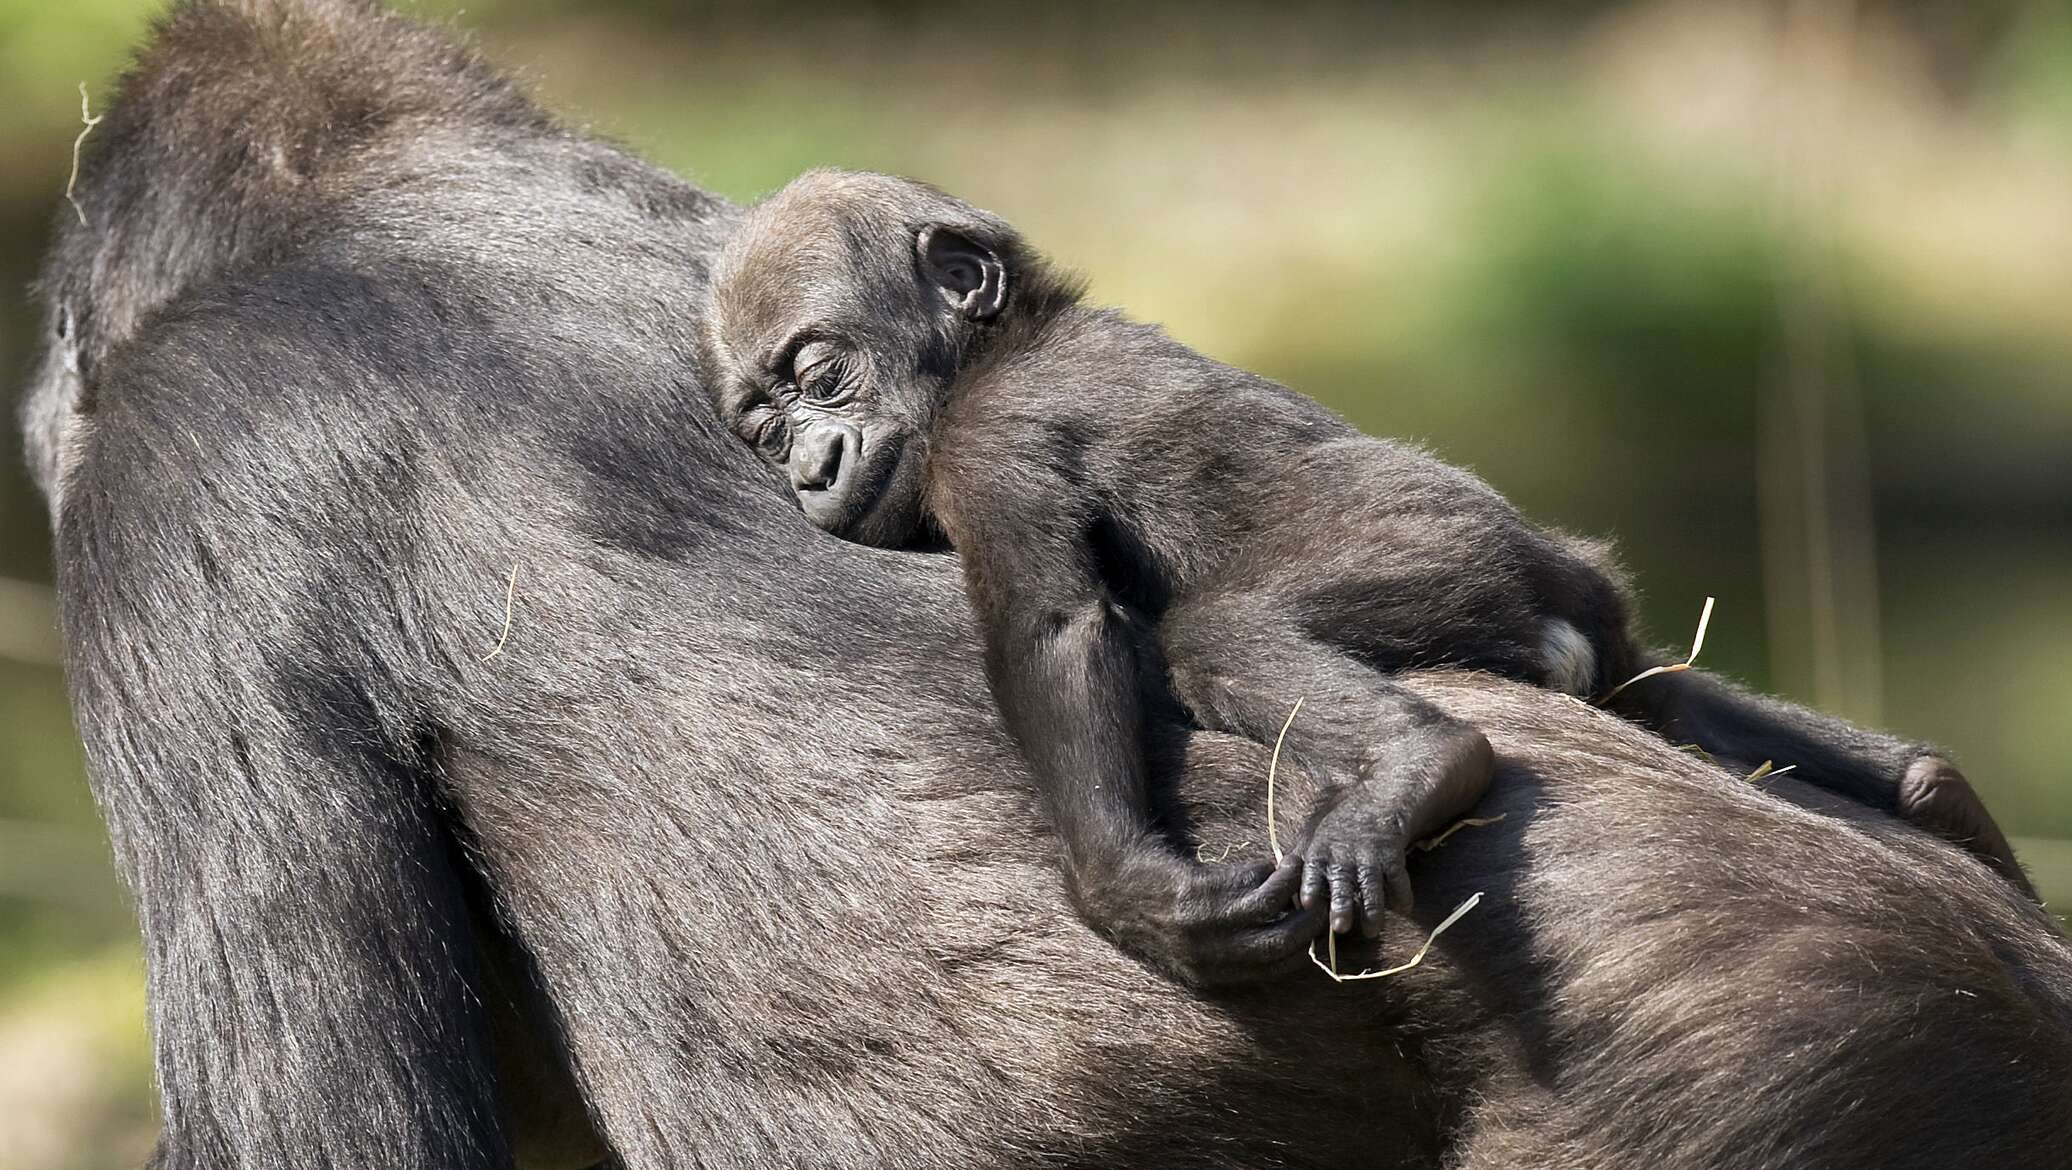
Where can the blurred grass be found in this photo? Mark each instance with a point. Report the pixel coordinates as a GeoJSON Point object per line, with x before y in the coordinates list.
{"type": "Point", "coordinates": [1550, 240]}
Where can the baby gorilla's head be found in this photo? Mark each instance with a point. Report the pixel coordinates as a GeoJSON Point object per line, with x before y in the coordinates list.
{"type": "Point", "coordinates": [842, 312]}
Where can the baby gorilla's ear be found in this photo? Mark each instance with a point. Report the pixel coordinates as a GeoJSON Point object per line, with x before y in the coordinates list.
{"type": "Point", "coordinates": [967, 273]}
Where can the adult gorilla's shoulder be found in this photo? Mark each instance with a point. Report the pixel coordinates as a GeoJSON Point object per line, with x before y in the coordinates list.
{"type": "Point", "coordinates": [456, 692]}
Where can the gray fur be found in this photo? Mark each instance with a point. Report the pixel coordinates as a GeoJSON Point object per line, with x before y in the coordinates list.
{"type": "Point", "coordinates": [729, 819]}
{"type": "Point", "coordinates": [1134, 516]}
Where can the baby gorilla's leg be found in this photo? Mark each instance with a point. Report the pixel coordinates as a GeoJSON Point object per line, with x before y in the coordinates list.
{"type": "Point", "coordinates": [1567, 659]}
{"type": "Point", "coordinates": [1405, 787]}
{"type": "Point", "coordinates": [1908, 778]}
{"type": "Point", "coordinates": [1398, 768]}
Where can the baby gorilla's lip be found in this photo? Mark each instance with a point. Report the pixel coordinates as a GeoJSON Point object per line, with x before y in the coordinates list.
{"type": "Point", "coordinates": [824, 507]}
{"type": "Point", "coordinates": [877, 493]}
{"type": "Point", "coordinates": [845, 506]}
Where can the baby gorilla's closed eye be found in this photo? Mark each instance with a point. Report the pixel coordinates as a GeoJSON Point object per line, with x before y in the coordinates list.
{"type": "Point", "coordinates": [772, 437]}
{"type": "Point", "coordinates": [824, 374]}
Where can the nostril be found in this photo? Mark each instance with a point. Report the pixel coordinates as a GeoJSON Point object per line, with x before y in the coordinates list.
{"type": "Point", "coordinates": [820, 462]}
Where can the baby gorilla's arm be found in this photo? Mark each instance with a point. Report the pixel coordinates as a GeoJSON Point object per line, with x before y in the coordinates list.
{"type": "Point", "coordinates": [1064, 670]}
{"type": "Point", "coordinates": [1402, 768]}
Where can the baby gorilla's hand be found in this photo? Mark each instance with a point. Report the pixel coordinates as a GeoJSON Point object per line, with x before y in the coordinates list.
{"type": "Point", "coordinates": [1353, 852]}
{"type": "Point", "coordinates": [1204, 925]}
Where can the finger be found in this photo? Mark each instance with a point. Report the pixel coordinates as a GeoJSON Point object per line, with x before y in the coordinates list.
{"type": "Point", "coordinates": [1215, 886]}
{"type": "Point", "coordinates": [1259, 953]}
{"type": "Point", "coordinates": [1288, 938]}
{"type": "Point", "coordinates": [1344, 888]}
{"type": "Point", "coordinates": [1219, 895]}
{"type": "Point", "coordinates": [1373, 895]}
{"type": "Point", "coordinates": [1315, 883]}
{"type": "Point", "coordinates": [1270, 899]}
{"type": "Point", "coordinates": [1208, 894]}
{"type": "Point", "coordinates": [1244, 875]}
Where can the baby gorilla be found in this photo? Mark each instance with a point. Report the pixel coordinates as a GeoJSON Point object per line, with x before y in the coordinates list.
{"type": "Point", "coordinates": [915, 368]}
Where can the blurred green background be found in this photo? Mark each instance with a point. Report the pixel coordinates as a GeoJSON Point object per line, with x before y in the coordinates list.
{"type": "Point", "coordinates": [1778, 295]}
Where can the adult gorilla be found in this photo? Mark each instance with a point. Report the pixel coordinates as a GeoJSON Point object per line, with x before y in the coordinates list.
{"type": "Point", "coordinates": [353, 340]}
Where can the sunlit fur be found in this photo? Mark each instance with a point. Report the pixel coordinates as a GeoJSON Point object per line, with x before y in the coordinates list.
{"type": "Point", "coordinates": [725, 851]}
{"type": "Point", "coordinates": [1127, 508]}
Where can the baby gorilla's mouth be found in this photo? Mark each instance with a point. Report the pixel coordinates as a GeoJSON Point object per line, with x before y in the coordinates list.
{"type": "Point", "coordinates": [821, 455]}
{"type": "Point", "coordinates": [826, 466]}
{"type": "Point", "coordinates": [827, 508]}
{"type": "Point", "coordinates": [870, 498]}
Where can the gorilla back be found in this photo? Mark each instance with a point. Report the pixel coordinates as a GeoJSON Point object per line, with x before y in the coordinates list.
{"type": "Point", "coordinates": [440, 667]}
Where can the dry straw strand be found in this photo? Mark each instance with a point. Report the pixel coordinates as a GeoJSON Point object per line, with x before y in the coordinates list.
{"type": "Point", "coordinates": [1273, 768]}
{"type": "Point", "coordinates": [89, 120]}
{"type": "Point", "coordinates": [1697, 644]}
{"type": "Point", "coordinates": [1769, 771]}
{"type": "Point", "coordinates": [1201, 853]}
{"type": "Point", "coordinates": [510, 593]}
{"type": "Point", "coordinates": [1331, 942]}
{"type": "Point", "coordinates": [1431, 843]}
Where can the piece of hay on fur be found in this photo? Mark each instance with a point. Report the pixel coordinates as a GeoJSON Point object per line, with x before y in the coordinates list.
{"type": "Point", "coordinates": [1697, 644]}
{"type": "Point", "coordinates": [1769, 771]}
{"type": "Point", "coordinates": [510, 594]}
{"type": "Point", "coordinates": [1331, 943]}
{"type": "Point", "coordinates": [88, 120]}
{"type": "Point", "coordinates": [1431, 843]}
{"type": "Point", "coordinates": [1273, 769]}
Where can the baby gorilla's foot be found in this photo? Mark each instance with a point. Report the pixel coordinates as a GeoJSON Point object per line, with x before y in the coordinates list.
{"type": "Point", "coordinates": [1935, 796]}
{"type": "Point", "coordinates": [1353, 855]}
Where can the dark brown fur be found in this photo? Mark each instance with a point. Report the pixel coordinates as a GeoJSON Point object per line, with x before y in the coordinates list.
{"type": "Point", "coordinates": [912, 364]}
{"type": "Point", "coordinates": [726, 837]}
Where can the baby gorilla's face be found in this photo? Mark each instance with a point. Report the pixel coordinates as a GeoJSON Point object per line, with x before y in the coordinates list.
{"type": "Point", "coordinates": [814, 408]}
{"type": "Point", "coordinates": [816, 352]}
{"type": "Point", "coordinates": [837, 317]}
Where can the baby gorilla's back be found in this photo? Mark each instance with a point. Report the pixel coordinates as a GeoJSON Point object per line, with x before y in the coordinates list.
{"type": "Point", "coordinates": [1404, 561]}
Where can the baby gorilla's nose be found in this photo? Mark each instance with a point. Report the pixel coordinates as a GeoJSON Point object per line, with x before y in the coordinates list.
{"type": "Point", "coordinates": [817, 454]}
{"type": "Point", "coordinates": [823, 471]}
